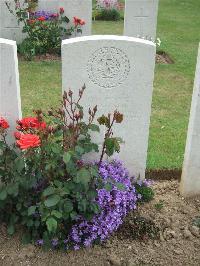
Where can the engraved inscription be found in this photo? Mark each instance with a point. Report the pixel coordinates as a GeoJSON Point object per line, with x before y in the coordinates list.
{"type": "Point", "coordinates": [108, 67]}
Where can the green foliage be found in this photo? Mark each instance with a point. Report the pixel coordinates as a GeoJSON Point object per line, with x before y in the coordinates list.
{"type": "Point", "coordinates": [43, 35]}
{"type": "Point", "coordinates": [45, 188]}
{"type": "Point", "coordinates": [147, 193]}
{"type": "Point", "coordinates": [107, 14]}
{"type": "Point", "coordinates": [158, 206]}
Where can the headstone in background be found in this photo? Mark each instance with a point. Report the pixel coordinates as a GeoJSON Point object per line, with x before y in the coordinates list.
{"type": "Point", "coordinates": [118, 72]}
{"type": "Point", "coordinates": [10, 101]}
{"type": "Point", "coordinates": [190, 180]}
{"type": "Point", "coordinates": [9, 27]}
{"type": "Point", "coordinates": [140, 18]}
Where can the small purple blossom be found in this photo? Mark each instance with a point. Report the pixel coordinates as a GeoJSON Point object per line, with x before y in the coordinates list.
{"type": "Point", "coordinates": [54, 242]}
{"type": "Point", "coordinates": [40, 242]}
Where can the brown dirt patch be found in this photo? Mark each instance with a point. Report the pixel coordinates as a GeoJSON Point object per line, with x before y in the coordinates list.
{"type": "Point", "coordinates": [164, 174]}
{"type": "Point", "coordinates": [163, 58]}
{"type": "Point", "coordinates": [178, 242]}
{"type": "Point", "coordinates": [45, 57]}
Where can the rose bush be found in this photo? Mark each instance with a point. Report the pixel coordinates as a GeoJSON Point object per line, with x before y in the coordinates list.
{"type": "Point", "coordinates": [49, 188]}
{"type": "Point", "coordinates": [45, 30]}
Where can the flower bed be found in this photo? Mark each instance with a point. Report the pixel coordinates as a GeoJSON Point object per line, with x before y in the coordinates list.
{"type": "Point", "coordinates": [44, 30]}
{"type": "Point", "coordinates": [46, 185]}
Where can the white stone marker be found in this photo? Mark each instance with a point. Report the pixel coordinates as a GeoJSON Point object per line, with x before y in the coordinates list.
{"type": "Point", "coordinates": [118, 72]}
{"type": "Point", "coordinates": [190, 180]}
{"type": "Point", "coordinates": [9, 27]}
{"type": "Point", "coordinates": [140, 19]}
{"type": "Point", "coordinates": [73, 8]}
{"type": "Point", "coordinates": [10, 102]}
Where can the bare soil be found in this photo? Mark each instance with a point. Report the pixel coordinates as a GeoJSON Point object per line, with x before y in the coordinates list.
{"type": "Point", "coordinates": [177, 243]}
{"type": "Point", "coordinates": [163, 58]}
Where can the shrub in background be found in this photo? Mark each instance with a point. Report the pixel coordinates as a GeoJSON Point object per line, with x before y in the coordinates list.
{"type": "Point", "coordinates": [45, 30]}
{"type": "Point", "coordinates": [107, 10]}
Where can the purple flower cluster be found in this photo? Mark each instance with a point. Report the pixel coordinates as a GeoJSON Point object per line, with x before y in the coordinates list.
{"type": "Point", "coordinates": [115, 204]}
{"type": "Point", "coordinates": [46, 14]}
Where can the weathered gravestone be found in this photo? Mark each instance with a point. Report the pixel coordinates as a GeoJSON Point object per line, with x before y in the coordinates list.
{"type": "Point", "coordinates": [10, 102]}
{"type": "Point", "coordinates": [9, 27]}
{"type": "Point", "coordinates": [73, 8]}
{"type": "Point", "coordinates": [118, 72]}
{"type": "Point", "coordinates": [140, 18]}
{"type": "Point", "coordinates": [190, 181]}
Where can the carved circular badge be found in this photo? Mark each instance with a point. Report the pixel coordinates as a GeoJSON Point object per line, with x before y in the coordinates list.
{"type": "Point", "coordinates": [108, 67]}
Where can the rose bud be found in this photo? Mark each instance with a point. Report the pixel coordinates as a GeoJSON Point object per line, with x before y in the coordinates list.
{"type": "Point", "coordinates": [17, 135]}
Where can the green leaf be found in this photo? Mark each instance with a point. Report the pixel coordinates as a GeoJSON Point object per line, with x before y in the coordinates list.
{"type": "Point", "coordinates": [83, 176]}
{"type": "Point", "coordinates": [108, 187]}
{"type": "Point", "coordinates": [20, 164]}
{"type": "Point", "coordinates": [11, 229]}
{"type": "Point", "coordinates": [79, 150]}
{"type": "Point", "coordinates": [51, 224]}
{"type": "Point", "coordinates": [52, 201]}
{"type": "Point", "coordinates": [68, 206]}
{"type": "Point", "coordinates": [48, 191]}
{"type": "Point", "coordinates": [57, 214]}
{"type": "Point", "coordinates": [31, 210]}
{"type": "Point", "coordinates": [73, 215]}
{"type": "Point", "coordinates": [3, 194]}
{"type": "Point", "coordinates": [13, 190]}
{"type": "Point", "coordinates": [94, 127]}
{"type": "Point", "coordinates": [26, 238]}
{"type": "Point", "coordinates": [120, 186]}
{"type": "Point", "coordinates": [65, 19]}
{"type": "Point", "coordinates": [66, 157]}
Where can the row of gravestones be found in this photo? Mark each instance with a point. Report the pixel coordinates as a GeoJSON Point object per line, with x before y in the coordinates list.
{"type": "Point", "coordinates": [118, 72]}
{"type": "Point", "coordinates": [140, 17]}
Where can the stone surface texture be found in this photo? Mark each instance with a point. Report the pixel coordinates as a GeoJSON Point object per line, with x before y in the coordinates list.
{"type": "Point", "coordinates": [10, 102]}
{"type": "Point", "coordinates": [9, 27]}
{"type": "Point", "coordinates": [118, 72]}
{"type": "Point", "coordinates": [190, 181]}
{"type": "Point", "coordinates": [140, 18]}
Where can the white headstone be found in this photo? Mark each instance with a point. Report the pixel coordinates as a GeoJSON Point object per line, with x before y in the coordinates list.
{"type": "Point", "coordinates": [118, 72]}
{"type": "Point", "coordinates": [190, 180]}
{"type": "Point", "coordinates": [9, 27]}
{"type": "Point", "coordinates": [140, 19]}
{"type": "Point", "coordinates": [10, 102]}
{"type": "Point", "coordinates": [73, 8]}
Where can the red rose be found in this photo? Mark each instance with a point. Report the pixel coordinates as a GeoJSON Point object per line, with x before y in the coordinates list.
{"type": "Point", "coordinates": [17, 135]}
{"type": "Point", "coordinates": [82, 22]}
{"type": "Point", "coordinates": [41, 19]}
{"type": "Point", "coordinates": [3, 123]}
{"type": "Point", "coordinates": [62, 10]}
{"type": "Point", "coordinates": [27, 141]}
{"type": "Point", "coordinates": [78, 21]}
{"type": "Point", "coordinates": [30, 122]}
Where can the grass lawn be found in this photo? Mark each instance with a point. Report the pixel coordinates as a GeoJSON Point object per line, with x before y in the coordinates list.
{"type": "Point", "coordinates": [178, 28]}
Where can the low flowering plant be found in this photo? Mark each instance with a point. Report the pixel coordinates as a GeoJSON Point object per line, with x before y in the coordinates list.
{"type": "Point", "coordinates": [45, 30]}
{"type": "Point", "coordinates": [107, 10]}
{"type": "Point", "coordinates": [47, 185]}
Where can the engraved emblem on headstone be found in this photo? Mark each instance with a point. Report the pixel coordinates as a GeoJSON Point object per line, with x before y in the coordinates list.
{"type": "Point", "coordinates": [108, 67]}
